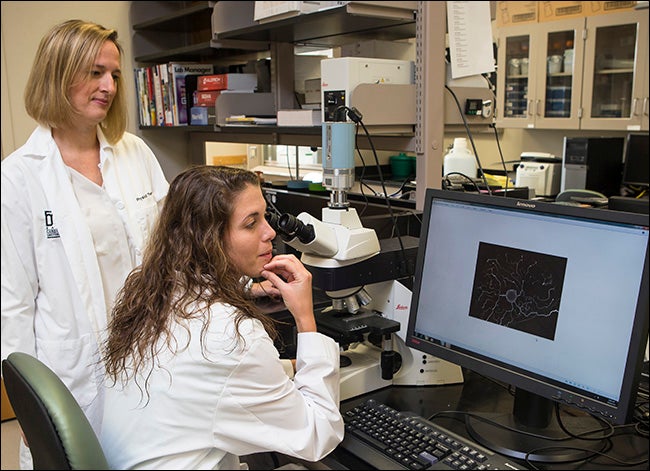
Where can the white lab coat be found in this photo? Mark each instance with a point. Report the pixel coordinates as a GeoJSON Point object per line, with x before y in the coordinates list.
{"type": "Point", "coordinates": [53, 303]}
{"type": "Point", "coordinates": [205, 412]}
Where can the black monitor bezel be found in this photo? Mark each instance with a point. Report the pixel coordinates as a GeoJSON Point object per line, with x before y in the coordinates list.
{"type": "Point", "coordinates": [547, 388]}
{"type": "Point", "coordinates": [627, 154]}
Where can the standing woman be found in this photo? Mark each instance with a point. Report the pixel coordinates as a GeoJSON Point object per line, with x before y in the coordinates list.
{"type": "Point", "coordinates": [194, 378]}
{"type": "Point", "coordinates": [78, 201]}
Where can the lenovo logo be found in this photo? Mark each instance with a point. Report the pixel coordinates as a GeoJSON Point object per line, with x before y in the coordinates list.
{"type": "Point", "coordinates": [525, 205]}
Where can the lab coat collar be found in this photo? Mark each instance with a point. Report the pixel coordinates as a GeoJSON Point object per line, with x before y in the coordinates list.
{"type": "Point", "coordinates": [41, 143]}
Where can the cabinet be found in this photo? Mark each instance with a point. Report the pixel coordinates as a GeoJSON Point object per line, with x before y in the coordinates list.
{"type": "Point", "coordinates": [615, 71]}
{"type": "Point", "coordinates": [166, 31]}
{"type": "Point", "coordinates": [581, 73]}
{"type": "Point", "coordinates": [540, 79]}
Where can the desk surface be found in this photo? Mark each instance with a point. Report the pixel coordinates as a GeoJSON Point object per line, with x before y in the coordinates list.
{"type": "Point", "coordinates": [477, 394]}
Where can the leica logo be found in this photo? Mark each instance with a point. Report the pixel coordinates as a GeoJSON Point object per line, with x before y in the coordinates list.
{"type": "Point", "coordinates": [401, 307]}
{"type": "Point", "coordinates": [525, 205]}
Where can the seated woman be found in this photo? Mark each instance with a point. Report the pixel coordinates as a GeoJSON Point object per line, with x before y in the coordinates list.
{"type": "Point", "coordinates": [194, 379]}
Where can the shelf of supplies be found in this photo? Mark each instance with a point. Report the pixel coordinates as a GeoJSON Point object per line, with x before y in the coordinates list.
{"type": "Point", "coordinates": [195, 16]}
{"type": "Point", "coordinates": [182, 31]}
{"type": "Point", "coordinates": [203, 52]}
{"type": "Point", "coordinates": [285, 135]}
{"type": "Point", "coordinates": [335, 26]}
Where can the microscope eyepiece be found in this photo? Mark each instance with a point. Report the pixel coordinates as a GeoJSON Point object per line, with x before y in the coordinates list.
{"type": "Point", "coordinates": [290, 226]}
{"type": "Point", "coordinates": [272, 219]}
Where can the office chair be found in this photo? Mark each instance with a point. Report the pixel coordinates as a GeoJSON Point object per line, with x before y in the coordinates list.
{"type": "Point", "coordinates": [56, 428]}
{"type": "Point", "coordinates": [582, 196]}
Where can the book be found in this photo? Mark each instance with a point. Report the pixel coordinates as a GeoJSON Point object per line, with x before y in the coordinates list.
{"type": "Point", "coordinates": [299, 117]}
{"type": "Point", "coordinates": [205, 97]}
{"type": "Point", "coordinates": [179, 72]}
{"type": "Point", "coordinates": [143, 109]}
{"type": "Point", "coordinates": [239, 82]}
{"type": "Point", "coordinates": [152, 97]}
{"type": "Point", "coordinates": [166, 95]}
{"type": "Point", "coordinates": [160, 110]}
{"type": "Point", "coordinates": [243, 120]}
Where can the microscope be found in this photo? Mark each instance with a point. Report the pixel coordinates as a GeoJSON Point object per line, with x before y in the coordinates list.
{"type": "Point", "coordinates": [359, 273]}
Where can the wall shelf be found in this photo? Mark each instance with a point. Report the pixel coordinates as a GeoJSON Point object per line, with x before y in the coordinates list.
{"type": "Point", "coordinates": [223, 32]}
{"type": "Point", "coordinates": [195, 16]}
{"type": "Point", "coordinates": [206, 51]}
{"type": "Point", "coordinates": [332, 27]}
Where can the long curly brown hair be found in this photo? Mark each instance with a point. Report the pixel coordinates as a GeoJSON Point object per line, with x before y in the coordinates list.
{"type": "Point", "coordinates": [184, 268]}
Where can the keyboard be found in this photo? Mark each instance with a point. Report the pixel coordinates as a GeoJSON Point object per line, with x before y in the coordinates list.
{"type": "Point", "coordinates": [388, 439]}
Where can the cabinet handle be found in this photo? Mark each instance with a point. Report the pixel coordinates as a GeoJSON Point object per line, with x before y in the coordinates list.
{"type": "Point", "coordinates": [645, 106]}
{"type": "Point", "coordinates": [635, 106]}
{"type": "Point", "coordinates": [529, 108]}
{"type": "Point", "coordinates": [537, 103]}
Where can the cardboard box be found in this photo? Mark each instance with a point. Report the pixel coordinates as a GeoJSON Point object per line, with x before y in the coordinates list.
{"type": "Point", "coordinates": [206, 97]}
{"type": "Point", "coordinates": [235, 160]}
{"type": "Point", "coordinates": [274, 11]}
{"type": "Point", "coordinates": [380, 49]}
{"type": "Point", "coordinates": [241, 82]}
{"type": "Point", "coordinates": [553, 11]}
{"type": "Point", "coordinates": [601, 8]}
{"type": "Point", "coordinates": [299, 118]}
{"type": "Point", "coordinates": [516, 13]}
{"type": "Point", "coordinates": [202, 115]}
{"type": "Point", "coordinates": [312, 90]}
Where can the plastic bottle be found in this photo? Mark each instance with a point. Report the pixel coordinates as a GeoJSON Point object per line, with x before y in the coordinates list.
{"type": "Point", "coordinates": [460, 159]}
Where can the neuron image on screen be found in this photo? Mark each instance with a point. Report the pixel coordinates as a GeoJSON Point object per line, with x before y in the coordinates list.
{"type": "Point", "coordinates": [548, 298]}
{"type": "Point", "coordinates": [518, 289]}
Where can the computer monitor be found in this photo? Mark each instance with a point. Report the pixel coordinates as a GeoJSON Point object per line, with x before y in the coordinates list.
{"type": "Point", "coordinates": [549, 299]}
{"type": "Point", "coordinates": [636, 165]}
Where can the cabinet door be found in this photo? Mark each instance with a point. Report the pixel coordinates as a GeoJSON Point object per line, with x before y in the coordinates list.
{"type": "Point", "coordinates": [559, 84]}
{"type": "Point", "coordinates": [616, 54]}
{"type": "Point", "coordinates": [540, 75]}
{"type": "Point", "coordinates": [516, 77]}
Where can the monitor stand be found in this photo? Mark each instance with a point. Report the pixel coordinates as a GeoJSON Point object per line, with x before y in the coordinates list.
{"type": "Point", "coordinates": [520, 434]}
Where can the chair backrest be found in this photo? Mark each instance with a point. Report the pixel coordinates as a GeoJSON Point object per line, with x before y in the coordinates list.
{"type": "Point", "coordinates": [56, 428]}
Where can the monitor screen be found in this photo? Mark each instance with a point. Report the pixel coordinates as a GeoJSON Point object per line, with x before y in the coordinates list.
{"type": "Point", "coordinates": [549, 299]}
{"type": "Point", "coordinates": [636, 165]}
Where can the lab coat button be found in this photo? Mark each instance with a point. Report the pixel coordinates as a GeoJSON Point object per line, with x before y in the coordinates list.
{"type": "Point", "coordinates": [119, 205]}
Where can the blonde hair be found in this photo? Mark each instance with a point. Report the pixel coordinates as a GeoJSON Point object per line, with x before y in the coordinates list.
{"type": "Point", "coordinates": [67, 52]}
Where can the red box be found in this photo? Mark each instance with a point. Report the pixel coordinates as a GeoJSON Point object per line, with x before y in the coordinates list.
{"type": "Point", "coordinates": [206, 97]}
{"type": "Point", "coordinates": [240, 82]}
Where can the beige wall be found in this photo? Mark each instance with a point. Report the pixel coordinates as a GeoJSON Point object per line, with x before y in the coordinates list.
{"type": "Point", "coordinates": [23, 25]}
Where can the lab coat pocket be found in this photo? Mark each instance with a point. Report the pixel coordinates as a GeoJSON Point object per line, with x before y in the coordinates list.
{"type": "Point", "coordinates": [146, 216]}
{"type": "Point", "coordinates": [75, 361]}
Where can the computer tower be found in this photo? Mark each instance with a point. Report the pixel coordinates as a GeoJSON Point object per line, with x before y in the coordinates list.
{"type": "Point", "coordinates": [592, 163]}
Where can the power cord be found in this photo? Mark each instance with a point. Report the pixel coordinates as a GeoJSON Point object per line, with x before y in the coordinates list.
{"type": "Point", "coordinates": [471, 139]}
{"type": "Point", "coordinates": [357, 118]}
